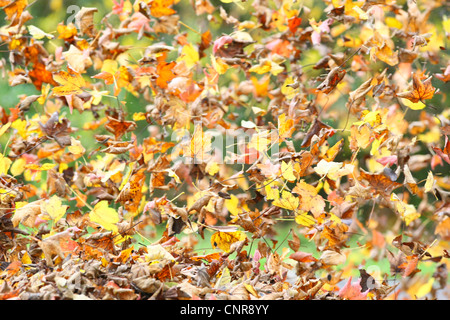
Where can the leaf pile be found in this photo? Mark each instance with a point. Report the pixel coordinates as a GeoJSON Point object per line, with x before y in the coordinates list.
{"type": "Point", "coordinates": [333, 116]}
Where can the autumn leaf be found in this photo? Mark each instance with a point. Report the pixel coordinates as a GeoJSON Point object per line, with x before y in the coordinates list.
{"type": "Point", "coordinates": [70, 83]}
{"type": "Point", "coordinates": [199, 147]}
{"type": "Point", "coordinates": [310, 200]}
{"type": "Point", "coordinates": [54, 208]}
{"type": "Point", "coordinates": [422, 90]}
{"type": "Point", "coordinates": [160, 8]}
{"type": "Point", "coordinates": [352, 291]}
{"type": "Point", "coordinates": [105, 216]}
{"type": "Point", "coordinates": [38, 34]}
{"type": "Point", "coordinates": [287, 201]}
{"type": "Point", "coordinates": [224, 240]}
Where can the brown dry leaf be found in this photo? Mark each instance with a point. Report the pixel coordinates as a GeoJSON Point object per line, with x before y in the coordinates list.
{"type": "Point", "coordinates": [27, 214]}
{"type": "Point", "coordinates": [58, 244]}
{"type": "Point", "coordinates": [57, 184]}
{"type": "Point", "coordinates": [379, 182]}
{"type": "Point", "coordinates": [295, 243]}
{"type": "Point", "coordinates": [119, 127]}
{"type": "Point", "coordinates": [85, 21]}
{"type": "Point", "coordinates": [331, 81]}
{"type": "Point", "coordinates": [358, 96]}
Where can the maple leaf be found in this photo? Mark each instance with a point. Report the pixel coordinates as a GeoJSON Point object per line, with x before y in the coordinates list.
{"type": "Point", "coordinates": [15, 9]}
{"type": "Point", "coordinates": [199, 147]}
{"type": "Point", "coordinates": [70, 83]}
{"type": "Point", "coordinates": [160, 8]}
{"type": "Point", "coordinates": [118, 127]}
{"type": "Point", "coordinates": [40, 75]}
{"type": "Point", "coordinates": [165, 73]}
{"type": "Point", "coordinates": [422, 90]}
{"type": "Point", "coordinates": [310, 200]}
{"type": "Point", "coordinates": [287, 201]}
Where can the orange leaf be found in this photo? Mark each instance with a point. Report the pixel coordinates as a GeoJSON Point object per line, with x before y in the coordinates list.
{"type": "Point", "coordinates": [421, 90]}
{"type": "Point", "coordinates": [165, 73]}
{"type": "Point", "coordinates": [410, 266]}
{"type": "Point", "coordinates": [160, 8]}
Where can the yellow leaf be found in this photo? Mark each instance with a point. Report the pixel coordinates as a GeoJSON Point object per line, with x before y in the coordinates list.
{"type": "Point", "coordinates": [260, 141]}
{"type": "Point", "coordinates": [287, 201]}
{"type": "Point", "coordinates": [45, 90]}
{"type": "Point", "coordinates": [285, 126]}
{"type": "Point", "coordinates": [360, 137]}
{"type": "Point", "coordinates": [110, 66]}
{"type": "Point", "coordinates": [21, 127]}
{"type": "Point", "coordinates": [361, 13]}
{"type": "Point", "coordinates": [407, 211]}
{"type": "Point", "coordinates": [272, 192]}
{"type": "Point", "coordinates": [200, 146]}
{"type": "Point", "coordinates": [26, 258]}
{"type": "Point", "coordinates": [429, 184]}
{"type": "Point", "coordinates": [265, 66]}
{"type": "Point", "coordinates": [224, 240]}
{"type": "Point", "coordinates": [5, 163]}
{"type": "Point", "coordinates": [446, 24]}
{"type": "Point", "coordinates": [157, 253]}
{"type": "Point", "coordinates": [304, 219]}
{"type": "Point", "coordinates": [44, 167]}
{"type": "Point", "coordinates": [18, 167]}
{"type": "Point", "coordinates": [225, 278]}
{"type": "Point", "coordinates": [71, 83]}
{"type": "Point", "coordinates": [232, 205]}
{"type": "Point", "coordinates": [419, 105]}
{"type": "Point", "coordinates": [212, 168]}
{"type": "Point", "coordinates": [105, 216]}
{"type": "Point", "coordinates": [218, 65]}
{"type": "Point", "coordinates": [97, 97]}
{"type": "Point", "coordinates": [288, 90]}
{"type": "Point", "coordinates": [4, 128]}
{"type": "Point", "coordinates": [391, 22]}
{"type": "Point", "coordinates": [287, 170]}
{"type": "Point", "coordinates": [76, 147]}
{"type": "Point", "coordinates": [77, 59]}
{"type": "Point", "coordinates": [54, 208]}
{"type": "Point", "coordinates": [174, 175]}
{"type": "Point", "coordinates": [333, 170]}
{"type": "Point", "coordinates": [38, 34]}
{"type": "Point", "coordinates": [251, 290]}
{"type": "Point", "coordinates": [189, 55]}
{"type": "Point", "coordinates": [138, 116]}
{"type": "Point", "coordinates": [425, 289]}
